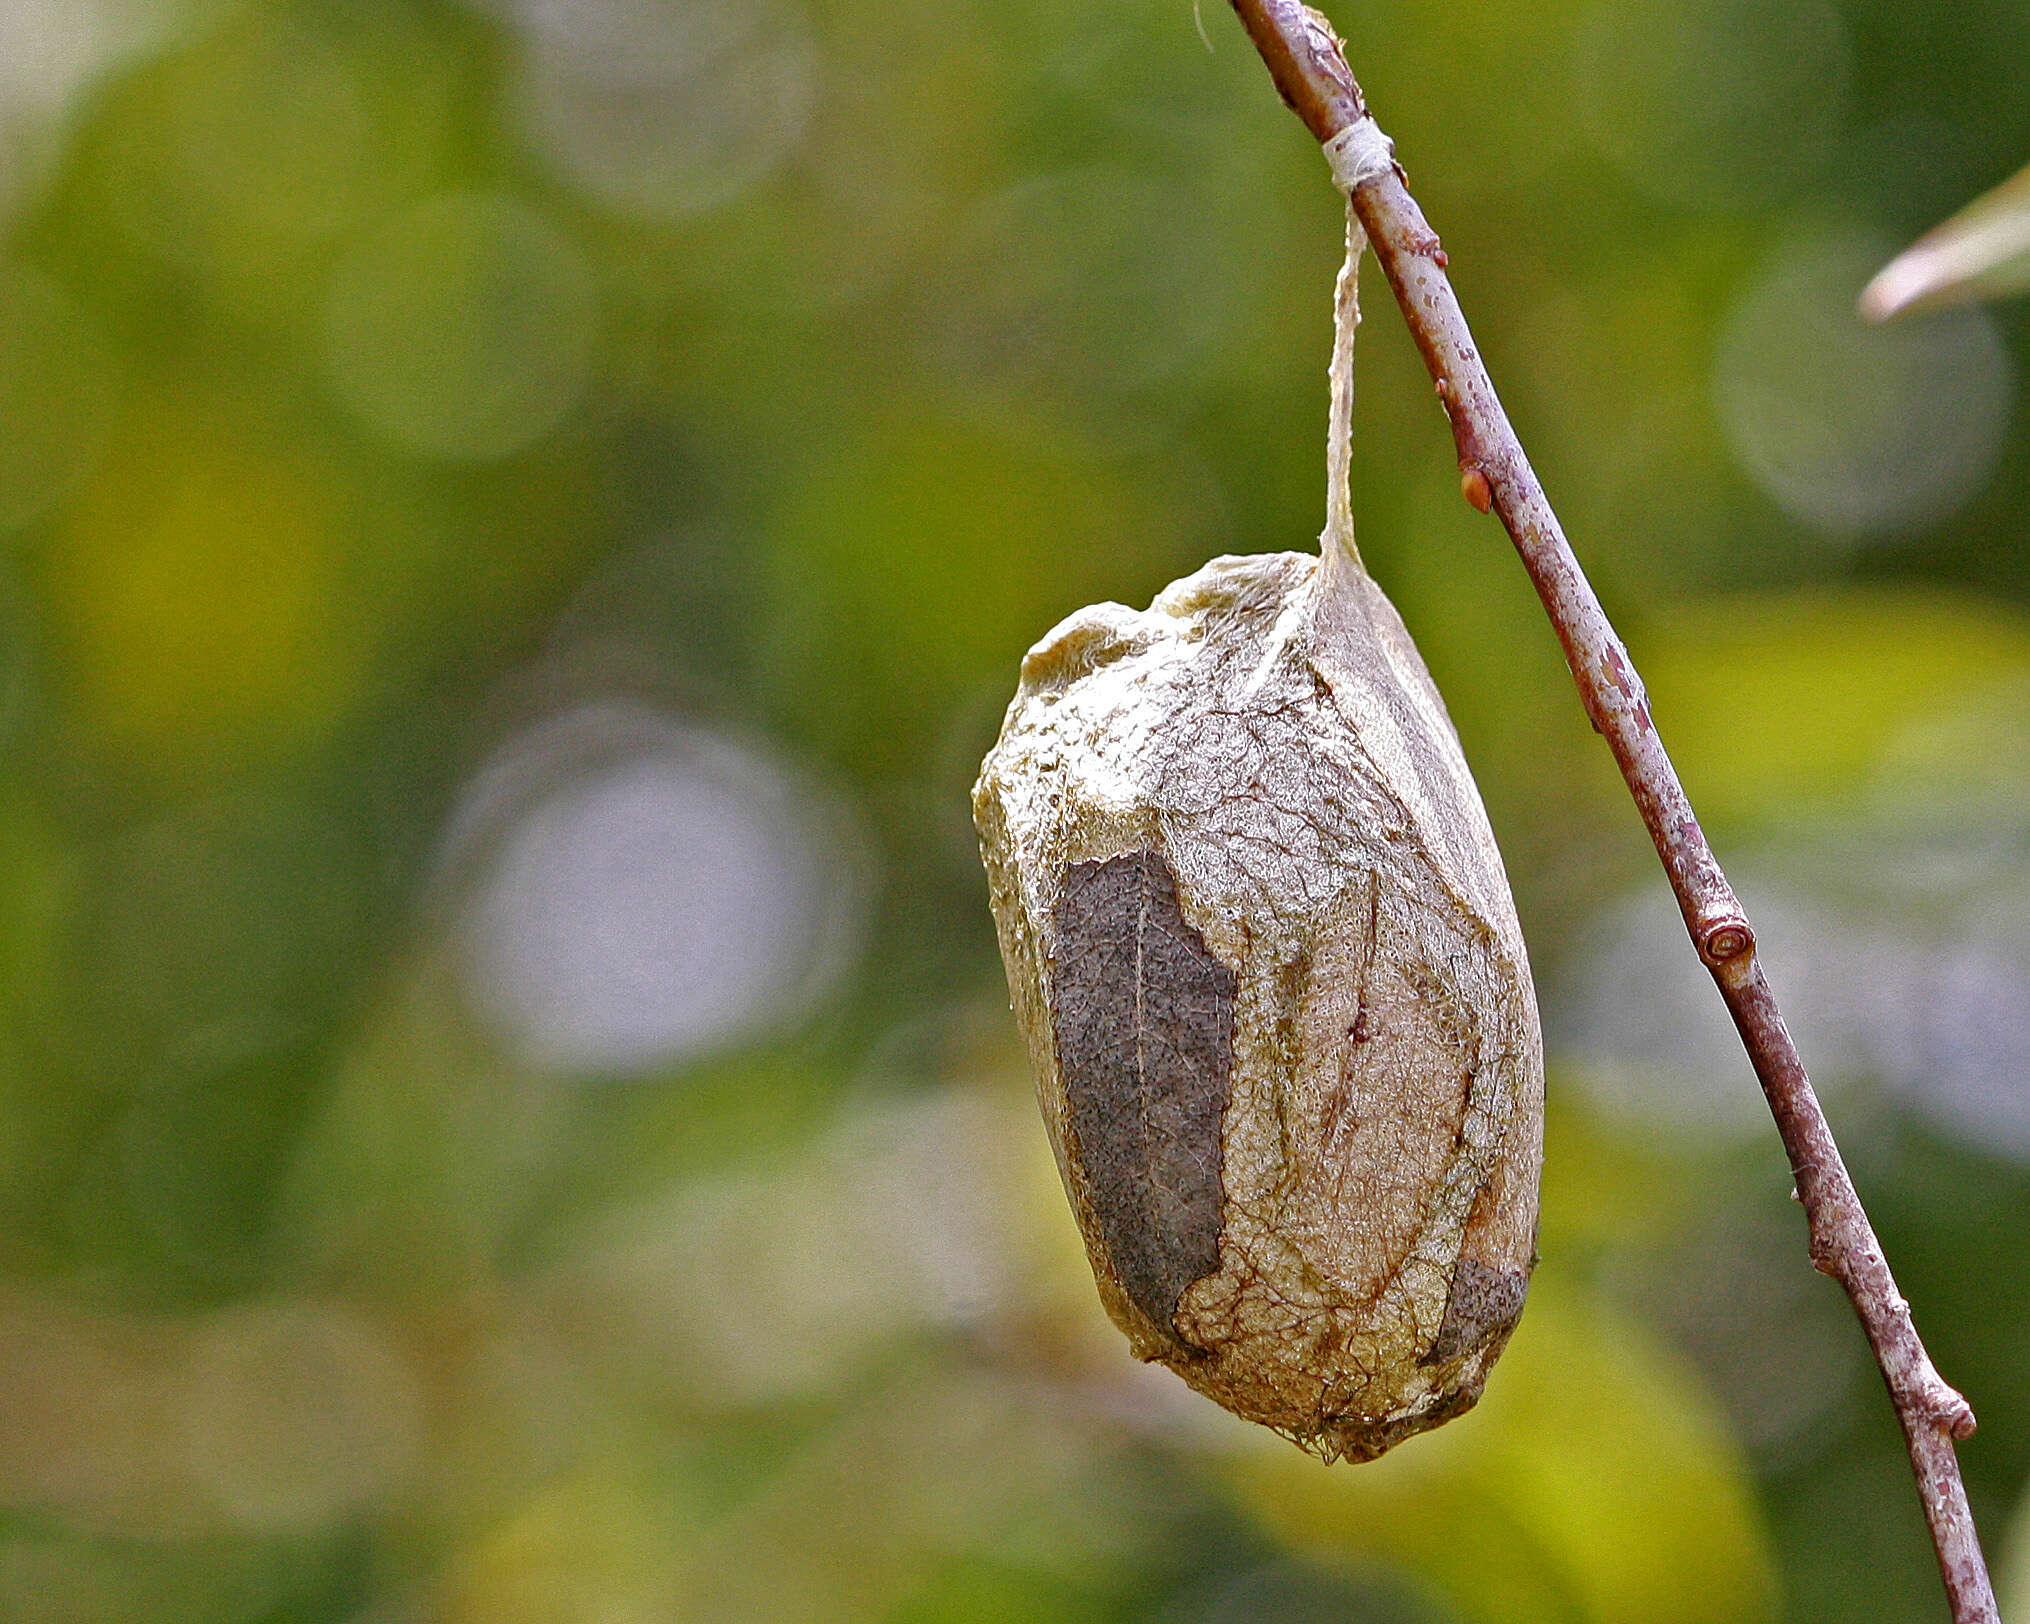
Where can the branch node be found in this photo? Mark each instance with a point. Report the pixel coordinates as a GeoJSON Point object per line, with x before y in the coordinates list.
{"type": "Point", "coordinates": [1722, 938]}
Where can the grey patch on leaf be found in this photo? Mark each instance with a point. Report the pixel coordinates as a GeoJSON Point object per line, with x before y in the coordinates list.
{"type": "Point", "coordinates": [1484, 1303]}
{"type": "Point", "coordinates": [1144, 1019]}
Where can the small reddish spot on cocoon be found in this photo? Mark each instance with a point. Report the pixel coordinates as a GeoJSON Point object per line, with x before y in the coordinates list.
{"type": "Point", "coordinates": [1474, 487]}
{"type": "Point", "coordinates": [1440, 258]}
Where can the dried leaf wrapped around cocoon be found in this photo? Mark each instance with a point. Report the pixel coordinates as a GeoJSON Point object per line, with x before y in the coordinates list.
{"type": "Point", "coordinates": [1276, 1000]}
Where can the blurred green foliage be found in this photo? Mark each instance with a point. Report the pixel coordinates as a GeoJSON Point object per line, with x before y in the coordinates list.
{"type": "Point", "coordinates": [522, 519]}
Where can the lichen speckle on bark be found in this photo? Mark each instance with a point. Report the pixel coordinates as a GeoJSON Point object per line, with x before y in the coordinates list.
{"type": "Point", "coordinates": [1277, 1005]}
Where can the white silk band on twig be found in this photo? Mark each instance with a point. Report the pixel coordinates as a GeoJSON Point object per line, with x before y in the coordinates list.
{"type": "Point", "coordinates": [1357, 153]}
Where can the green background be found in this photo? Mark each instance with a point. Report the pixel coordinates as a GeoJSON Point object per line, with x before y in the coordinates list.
{"type": "Point", "coordinates": [521, 519]}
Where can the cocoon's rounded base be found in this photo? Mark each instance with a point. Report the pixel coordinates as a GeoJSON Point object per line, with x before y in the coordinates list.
{"type": "Point", "coordinates": [1275, 997]}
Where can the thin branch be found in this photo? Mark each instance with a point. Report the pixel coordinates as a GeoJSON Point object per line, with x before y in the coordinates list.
{"type": "Point", "coordinates": [1306, 60]}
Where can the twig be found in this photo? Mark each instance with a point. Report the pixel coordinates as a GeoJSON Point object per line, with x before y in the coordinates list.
{"type": "Point", "coordinates": [1305, 58]}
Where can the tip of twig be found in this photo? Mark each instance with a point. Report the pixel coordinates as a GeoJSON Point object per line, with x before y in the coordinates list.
{"type": "Point", "coordinates": [1981, 252]}
{"type": "Point", "coordinates": [1907, 282]}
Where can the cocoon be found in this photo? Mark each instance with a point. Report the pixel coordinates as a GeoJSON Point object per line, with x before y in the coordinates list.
{"type": "Point", "coordinates": [1277, 1005]}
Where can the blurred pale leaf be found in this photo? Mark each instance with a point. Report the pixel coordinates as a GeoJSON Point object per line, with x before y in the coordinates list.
{"type": "Point", "coordinates": [201, 516]}
{"type": "Point", "coordinates": [1781, 706]}
{"type": "Point", "coordinates": [970, 1591]}
{"type": "Point", "coordinates": [770, 1283]}
{"type": "Point", "coordinates": [937, 1466]}
{"type": "Point", "coordinates": [591, 1545]}
{"type": "Point", "coordinates": [1601, 1191]}
{"type": "Point", "coordinates": [1592, 1485]}
{"type": "Point", "coordinates": [421, 1150]}
{"type": "Point", "coordinates": [1982, 252]}
{"type": "Point", "coordinates": [68, 1578]}
{"type": "Point", "coordinates": [912, 566]}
